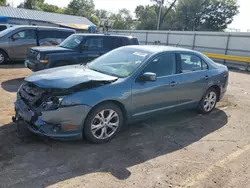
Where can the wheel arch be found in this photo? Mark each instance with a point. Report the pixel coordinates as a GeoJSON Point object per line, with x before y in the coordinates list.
{"type": "Point", "coordinates": [117, 103]}
{"type": "Point", "coordinates": [218, 91]}
{"type": "Point", "coordinates": [4, 51]}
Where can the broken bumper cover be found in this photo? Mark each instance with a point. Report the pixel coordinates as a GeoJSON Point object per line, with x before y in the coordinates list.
{"type": "Point", "coordinates": [63, 123]}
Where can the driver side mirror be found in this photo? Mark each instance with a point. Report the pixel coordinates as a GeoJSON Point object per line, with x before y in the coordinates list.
{"type": "Point", "coordinates": [148, 77]}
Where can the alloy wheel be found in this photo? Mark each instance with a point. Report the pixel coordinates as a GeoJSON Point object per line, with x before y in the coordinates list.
{"type": "Point", "coordinates": [1, 58]}
{"type": "Point", "coordinates": [210, 101]}
{"type": "Point", "coordinates": [105, 124]}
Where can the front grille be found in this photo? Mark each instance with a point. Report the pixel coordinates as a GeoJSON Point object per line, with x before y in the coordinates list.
{"type": "Point", "coordinates": [30, 93]}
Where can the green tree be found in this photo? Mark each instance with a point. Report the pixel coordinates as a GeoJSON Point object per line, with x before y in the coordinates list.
{"type": "Point", "coordinates": [51, 8]}
{"type": "Point", "coordinates": [31, 4]}
{"type": "Point", "coordinates": [212, 15]}
{"type": "Point", "coordinates": [3, 3]}
{"type": "Point", "coordinates": [123, 20]}
{"type": "Point", "coordinates": [94, 19]}
{"type": "Point", "coordinates": [81, 8]}
{"type": "Point", "coordinates": [147, 17]}
{"type": "Point", "coordinates": [209, 15]}
{"type": "Point", "coordinates": [165, 9]}
{"type": "Point", "coordinates": [102, 13]}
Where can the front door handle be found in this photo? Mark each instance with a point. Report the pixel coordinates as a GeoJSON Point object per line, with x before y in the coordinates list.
{"type": "Point", "coordinates": [206, 77]}
{"type": "Point", "coordinates": [173, 83]}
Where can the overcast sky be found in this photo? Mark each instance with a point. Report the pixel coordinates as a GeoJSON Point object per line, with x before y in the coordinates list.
{"type": "Point", "coordinates": [240, 22]}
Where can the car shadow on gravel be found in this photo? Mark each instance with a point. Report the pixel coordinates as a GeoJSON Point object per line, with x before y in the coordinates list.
{"type": "Point", "coordinates": [32, 161]}
{"type": "Point", "coordinates": [12, 85]}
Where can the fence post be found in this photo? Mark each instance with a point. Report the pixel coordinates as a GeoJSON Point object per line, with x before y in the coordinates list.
{"type": "Point", "coordinates": [228, 39]}
{"type": "Point", "coordinates": [146, 38]}
{"type": "Point", "coordinates": [194, 41]}
{"type": "Point", "coordinates": [167, 38]}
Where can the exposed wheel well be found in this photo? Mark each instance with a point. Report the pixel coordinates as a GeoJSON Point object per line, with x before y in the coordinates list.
{"type": "Point", "coordinates": [217, 88]}
{"type": "Point", "coordinates": [117, 103]}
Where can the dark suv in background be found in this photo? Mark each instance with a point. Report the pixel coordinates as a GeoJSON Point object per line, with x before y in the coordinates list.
{"type": "Point", "coordinates": [15, 41]}
{"type": "Point", "coordinates": [76, 49]}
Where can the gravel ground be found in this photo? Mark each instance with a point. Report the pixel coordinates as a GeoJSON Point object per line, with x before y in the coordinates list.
{"type": "Point", "coordinates": [173, 150]}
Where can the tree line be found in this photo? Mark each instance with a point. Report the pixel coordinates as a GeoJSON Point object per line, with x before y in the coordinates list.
{"type": "Point", "coordinates": [188, 15]}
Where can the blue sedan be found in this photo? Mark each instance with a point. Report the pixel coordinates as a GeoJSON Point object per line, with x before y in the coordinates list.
{"type": "Point", "coordinates": [123, 86]}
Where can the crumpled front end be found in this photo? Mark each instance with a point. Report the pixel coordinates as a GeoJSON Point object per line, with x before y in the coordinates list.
{"type": "Point", "coordinates": [41, 110]}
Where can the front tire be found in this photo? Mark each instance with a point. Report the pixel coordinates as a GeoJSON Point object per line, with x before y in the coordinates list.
{"type": "Point", "coordinates": [3, 57]}
{"type": "Point", "coordinates": [208, 101]}
{"type": "Point", "coordinates": [103, 123]}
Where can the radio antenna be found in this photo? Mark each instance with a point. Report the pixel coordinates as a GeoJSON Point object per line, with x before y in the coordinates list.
{"type": "Point", "coordinates": [178, 42]}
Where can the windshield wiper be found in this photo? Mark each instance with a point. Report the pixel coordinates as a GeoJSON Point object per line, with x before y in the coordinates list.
{"type": "Point", "coordinates": [64, 47]}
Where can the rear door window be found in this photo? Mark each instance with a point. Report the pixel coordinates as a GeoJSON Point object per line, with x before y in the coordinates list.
{"type": "Point", "coordinates": [190, 63]}
{"type": "Point", "coordinates": [44, 34]}
{"type": "Point", "coordinates": [94, 43]}
{"type": "Point", "coordinates": [112, 42]}
{"type": "Point", "coordinates": [52, 37]}
{"type": "Point", "coordinates": [63, 34]}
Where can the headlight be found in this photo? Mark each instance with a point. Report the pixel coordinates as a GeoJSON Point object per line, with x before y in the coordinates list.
{"type": "Point", "coordinates": [69, 101]}
{"type": "Point", "coordinates": [52, 103]}
{"type": "Point", "coordinates": [38, 56]}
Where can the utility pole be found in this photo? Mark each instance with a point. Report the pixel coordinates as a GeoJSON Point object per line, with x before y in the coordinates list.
{"type": "Point", "coordinates": [160, 2]}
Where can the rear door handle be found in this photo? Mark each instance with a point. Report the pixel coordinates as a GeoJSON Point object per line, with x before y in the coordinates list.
{"type": "Point", "coordinates": [173, 83]}
{"type": "Point", "coordinates": [206, 77]}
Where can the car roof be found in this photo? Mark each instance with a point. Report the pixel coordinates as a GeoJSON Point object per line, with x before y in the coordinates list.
{"type": "Point", "coordinates": [108, 35]}
{"type": "Point", "coordinates": [159, 48]}
{"type": "Point", "coordinates": [40, 27]}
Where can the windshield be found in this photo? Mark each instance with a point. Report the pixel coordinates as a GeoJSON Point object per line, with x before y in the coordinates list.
{"type": "Point", "coordinates": [121, 62]}
{"type": "Point", "coordinates": [72, 41]}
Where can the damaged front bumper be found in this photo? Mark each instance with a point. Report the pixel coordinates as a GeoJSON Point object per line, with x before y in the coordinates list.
{"type": "Point", "coordinates": [62, 123]}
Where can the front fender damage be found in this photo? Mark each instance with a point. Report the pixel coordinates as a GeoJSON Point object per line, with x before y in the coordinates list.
{"type": "Point", "coordinates": [62, 122]}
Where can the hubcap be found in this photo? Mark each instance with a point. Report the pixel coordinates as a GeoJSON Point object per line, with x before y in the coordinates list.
{"type": "Point", "coordinates": [210, 101]}
{"type": "Point", "coordinates": [1, 58]}
{"type": "Point", "coordinates": [105, 124]}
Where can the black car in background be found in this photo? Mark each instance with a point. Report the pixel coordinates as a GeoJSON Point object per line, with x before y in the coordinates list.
{"type": "Point", "coordinates": [76, 49]}
{"type": "Point", "coordinates": [15, 41]}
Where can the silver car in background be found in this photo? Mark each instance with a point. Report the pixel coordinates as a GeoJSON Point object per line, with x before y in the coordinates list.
{"type": "Point", "coordinates": [15, 41]}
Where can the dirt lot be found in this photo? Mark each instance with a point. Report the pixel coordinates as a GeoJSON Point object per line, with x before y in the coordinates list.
{"type": "Point", "coordinates": [175, 150]}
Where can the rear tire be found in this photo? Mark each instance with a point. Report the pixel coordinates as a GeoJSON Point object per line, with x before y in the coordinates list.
{"type": "Point", "coordinates": [3, 57]}
{"type": "Point", "coordinates": [103, 123]}
{"type": "Point", "coordinates": [208, 101]}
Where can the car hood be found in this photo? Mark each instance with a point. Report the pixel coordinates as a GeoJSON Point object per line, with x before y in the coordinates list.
{"type": "Point", "coordinates": [67, 76]}
{"type": "Point", "coordinates": [51, 49]}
